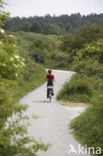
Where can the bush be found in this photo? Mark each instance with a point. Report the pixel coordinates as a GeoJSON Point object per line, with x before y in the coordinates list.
{"type": "Point", "coordinates": [78, 89]}
{"type": "Point", "coordinates": [90, 68]}
{"type": "Point", "coordinates": [18, 76]}
{"type": "Point", "coordinates": [89, 126]}
{"type": "Point", "coordinates": [11, 63]}
{"type": "Point", "coordinates": [91, 50]}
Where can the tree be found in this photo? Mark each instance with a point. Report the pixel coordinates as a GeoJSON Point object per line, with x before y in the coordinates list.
{"type": "Point", "coordinates": [54, 25]}
{"type": "Point", "coordinates": [35, 27]}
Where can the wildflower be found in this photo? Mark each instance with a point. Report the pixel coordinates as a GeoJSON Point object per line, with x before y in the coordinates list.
{"type": "Point", "coordinates": [11, 58]}
{"type": "Point", "coordinates": [4, 64]}
{"type": "Point", "coordinates": [14, 45]}
{"type": "Point", "coordinates": [0, 42]}
{"type": "Point", "coordinates": [16, 75]}
{"type": "Point", "coordinates": [23, 59]}
{"type": "Point", "coordinates": [17, 56]}
{"type": "Point", "coordinates": [93, 47]}
{"type": "Point", "coordinates": [2, 31]}
{"type": "Point", "coordinates": [15, 65]}
{"type": "Point", "coordinates": [23, 64]}
{"type": "Point", "coordinates": [99, 43]}
{"type": "Point", "coordinates": [87, 47]}
{"type": "Point", "coordinates": [11, 36]}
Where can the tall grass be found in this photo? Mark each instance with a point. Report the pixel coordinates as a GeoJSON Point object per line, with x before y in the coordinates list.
{"type": "Point", "coordinates": [77, 90]}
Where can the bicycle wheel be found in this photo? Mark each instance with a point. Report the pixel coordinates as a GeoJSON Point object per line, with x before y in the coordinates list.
{"type": "Point", "coordinates": [50, 95]}
{"type": "Point", "coordinates": [50, 98]}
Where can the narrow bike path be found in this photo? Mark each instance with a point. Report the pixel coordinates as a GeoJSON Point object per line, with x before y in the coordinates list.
{"type": "Point", "coordinates": [51, 125]}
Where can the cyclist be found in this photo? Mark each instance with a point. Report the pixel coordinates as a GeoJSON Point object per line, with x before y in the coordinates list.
{"type": "Point", "coordinates": [50, 78]}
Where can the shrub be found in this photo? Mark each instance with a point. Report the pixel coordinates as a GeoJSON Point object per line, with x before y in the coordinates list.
{"type": "Point", "coordinates": [89, 126]}
{"type": "Point", "coordinates": [11, 63]}
{"type": "Point", "coordinates": [78, 89]}
{"type": "Point", "coordinates": [89, 68]}
{"type": "Point", "coordinates": [13, 69]}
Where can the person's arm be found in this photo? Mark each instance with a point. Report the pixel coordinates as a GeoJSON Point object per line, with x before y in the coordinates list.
{"type": "Point", "coordinates": [54, 79]}
{"type": "Point", "coordinates": [47, 78]}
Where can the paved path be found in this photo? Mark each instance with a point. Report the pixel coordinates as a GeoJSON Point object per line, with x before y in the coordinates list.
{"type": "Point", "coordinates": [51, 126]}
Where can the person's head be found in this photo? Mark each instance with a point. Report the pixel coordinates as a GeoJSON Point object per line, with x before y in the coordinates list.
{"type": "Point", "coordinates": [49, 71]}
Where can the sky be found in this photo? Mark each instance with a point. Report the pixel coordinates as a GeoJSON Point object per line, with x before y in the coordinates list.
{"type": "Point", "coordinates": [26, 8]}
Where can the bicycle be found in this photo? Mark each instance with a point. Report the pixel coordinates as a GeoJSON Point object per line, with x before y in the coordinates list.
{"type": "Point", "coordinates": [50, 90]}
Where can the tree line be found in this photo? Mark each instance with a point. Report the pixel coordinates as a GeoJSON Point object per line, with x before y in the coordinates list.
{"type": "Point", "coordinates": [53, 24]}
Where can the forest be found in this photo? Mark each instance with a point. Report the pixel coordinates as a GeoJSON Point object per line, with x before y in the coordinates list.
{"type": "Point", "coordinates": [53, 24]}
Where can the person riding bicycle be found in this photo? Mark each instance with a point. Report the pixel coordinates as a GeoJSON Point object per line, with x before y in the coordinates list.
{"type": "Point", "coordinates": [50, 78]}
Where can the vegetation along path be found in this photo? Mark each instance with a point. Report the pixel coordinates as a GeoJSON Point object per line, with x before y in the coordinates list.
{"type": "Point", "coordinates": [49, 121]}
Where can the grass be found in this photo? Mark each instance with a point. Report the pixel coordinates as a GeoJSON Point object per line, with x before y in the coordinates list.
{"type": "Point", "coordinates": [88, 127]}
{"type": "Point", "coordinates": [77, 90]}
{"type": "Point", "coordinates": [33, 78]}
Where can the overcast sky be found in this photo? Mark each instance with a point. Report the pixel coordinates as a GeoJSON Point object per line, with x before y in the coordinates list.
{"type": "Point", "coordinates": [28, 8]}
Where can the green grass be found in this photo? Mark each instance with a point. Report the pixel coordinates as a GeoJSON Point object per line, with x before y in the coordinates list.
{"type": "Point", "coordinates": [88, 127]}
{"type": "Point", "coordinates": [33, 77]}
{"type": "Point", "coordinates": [77, 90]}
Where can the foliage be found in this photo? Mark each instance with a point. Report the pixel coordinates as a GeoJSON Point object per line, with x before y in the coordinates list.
{"type": "Point", "coordinates": [89, 59]}
{"type": "Point", "coordinates": [13, 137]}
{"type": "Point", "coordinates": [89, 68]}
{"type": "Point", "coordinates": [88, 127]}
{"type": "Point", "coordinates": [81, 52]}
{"type": "Point", "coordinates": [87, 85]}
{"type": "Point", "coordinates": [27, 79]}
{"type": "Point", "coordinates": [18, 76]}
{"type": "Point", "coordinates": [40, 50]}
{"type": "Point", "coordinates": [78, 90]}
{"type": "Point", "coordinates": [11, 63]}
{"type": "Point", "coordinates": [53, 25]}
{"type": "Point", "coordinates": [82, 37]}
{"type": "Point", "coordinates": [91, 50]}
{"type": "Point", "coordinates": [67, 43]}
{"type": "Point", "coordinates": [44, 49]}
{"type": "Point", "coordinates": [60, 52]}
{"type": "Point", "coordinates": [3, 15]}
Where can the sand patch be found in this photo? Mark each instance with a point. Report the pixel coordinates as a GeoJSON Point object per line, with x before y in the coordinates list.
{"type": "Point", "coordinates": [72, 104]}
